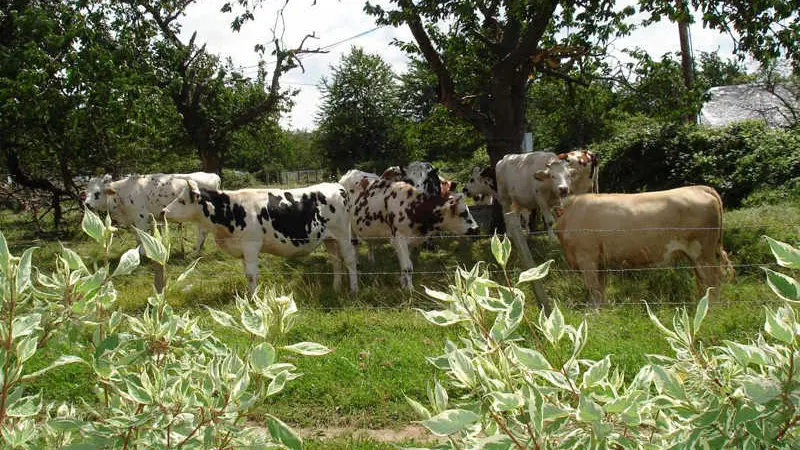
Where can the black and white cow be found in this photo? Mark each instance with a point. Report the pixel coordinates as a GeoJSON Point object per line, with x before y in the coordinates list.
{"type": "Point", "coordinates": [282, 222]}
{"type": "Point", "coordinates": [404, 214]}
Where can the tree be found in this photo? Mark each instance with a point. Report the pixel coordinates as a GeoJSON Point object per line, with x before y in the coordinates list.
{"type": "Point", "coordinates": [433, 132]}
{"type": "Point", "coordinates": [485, 52]}
{"type": "Point", "coordinates": [716, 72]}
{"type": "Point", "coordinates": [74, 90]}
{"type": "Point", "coordinates": [358, 122]}
{"type": "Point", "coordinates": [767, 29]}
{"type": "Point", "coordinates": [196, 80]}
{"type": "Point", "coordinates": [657, 90]}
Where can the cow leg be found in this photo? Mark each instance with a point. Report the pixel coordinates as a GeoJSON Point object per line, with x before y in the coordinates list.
{"type": "Point", "coordinates": [594, 280]}
{"type": "Point", "coordinates": [400, 245]}
{"type": "Point", "coordinates": [708, 274]}
{"type": "Point", "coordinates": [250, 262]}
{"type": "Point", "coordinates": [348, 254]}
{"type": "Point", "coordinates": [336, 262]}
{"type": "Point", "coordinates": [514, 230]}
{"type": "Point", "coordinates": [180, 238]}
{"type": "Point", "coordinates": [547, 216]}
{"type": "Point", "coordinates": [370, 251]}
{"type": "Point", "coordinates": [202, 233]}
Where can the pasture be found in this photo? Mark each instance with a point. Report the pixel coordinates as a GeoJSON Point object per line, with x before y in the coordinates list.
{"type": "Point", "coordinates": [380, 342]}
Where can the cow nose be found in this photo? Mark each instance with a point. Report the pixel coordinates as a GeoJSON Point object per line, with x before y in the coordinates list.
{"type": "Point", "coordinates": [563, 190]}
{"type": "Point", "coordinates": [473, 230]}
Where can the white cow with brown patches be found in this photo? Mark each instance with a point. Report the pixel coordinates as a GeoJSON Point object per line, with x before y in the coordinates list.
{"type": "Point", "coordinates": [402, 213]}
{"type": "Point", "coordinates": [584, 177]}
{"type": "Point", "coordinates": [133, 199]}
{"type": "Point", "coordinates": [600, 231]}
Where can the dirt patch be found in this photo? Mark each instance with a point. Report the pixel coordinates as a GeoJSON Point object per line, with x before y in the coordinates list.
{"type": "Point", "coordinates": [407, 433]}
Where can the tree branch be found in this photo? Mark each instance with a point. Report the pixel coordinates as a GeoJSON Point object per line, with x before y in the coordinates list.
{"type": "Point", "coordinates": [447, 91]}
{"type": "Point", "coordinates": [533, 35]}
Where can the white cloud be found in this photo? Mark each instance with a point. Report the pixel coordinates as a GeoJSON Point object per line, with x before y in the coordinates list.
{"type": "Point", "coordinates": [337, 21]}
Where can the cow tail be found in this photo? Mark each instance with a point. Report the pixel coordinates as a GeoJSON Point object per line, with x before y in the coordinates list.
{"type": "Point", "coordinates": [725, 264]}
{"type": "Point", "coordinates": [595, 174]}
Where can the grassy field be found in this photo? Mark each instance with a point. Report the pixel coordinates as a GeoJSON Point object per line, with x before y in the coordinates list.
{"type": "Point", "coordinates": [381, 343]}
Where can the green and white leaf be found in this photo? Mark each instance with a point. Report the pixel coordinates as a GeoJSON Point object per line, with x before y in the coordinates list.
{"type": "Point", "coordinates": [451, 421]}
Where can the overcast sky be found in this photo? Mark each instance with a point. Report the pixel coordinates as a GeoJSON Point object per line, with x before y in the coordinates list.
{"type": "Point", "coordinates": [338, 24]}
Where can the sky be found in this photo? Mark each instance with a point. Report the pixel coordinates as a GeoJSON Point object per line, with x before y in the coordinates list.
{"type": "Point", "coordinates": [340, 24]}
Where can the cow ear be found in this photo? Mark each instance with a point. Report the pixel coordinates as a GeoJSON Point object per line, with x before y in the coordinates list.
{"type": "Point", "coordinates": [562, 156]}
{"type": "Point", "coordinates": [542, 175]}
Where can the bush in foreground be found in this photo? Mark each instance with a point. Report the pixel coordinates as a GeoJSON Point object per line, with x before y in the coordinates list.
{"type": "Point", "coordinates": [162, 380]}
{"type": "Point", "coordinates": [513, 383]}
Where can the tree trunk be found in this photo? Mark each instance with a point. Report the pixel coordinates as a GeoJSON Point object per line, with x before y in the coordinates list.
{"type": "Point", "coordinates": [212, 160]}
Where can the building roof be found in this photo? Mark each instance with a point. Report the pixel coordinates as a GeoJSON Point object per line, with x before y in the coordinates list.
{"type": "Point", "coordinates": [728, 104]}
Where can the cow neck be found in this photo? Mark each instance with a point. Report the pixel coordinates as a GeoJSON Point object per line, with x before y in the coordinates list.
{"type": "Point", "coordinates": [225, 213]}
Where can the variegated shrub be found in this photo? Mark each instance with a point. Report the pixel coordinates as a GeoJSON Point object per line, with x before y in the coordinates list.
{"type": "Point", "coordinates": [515, 383]}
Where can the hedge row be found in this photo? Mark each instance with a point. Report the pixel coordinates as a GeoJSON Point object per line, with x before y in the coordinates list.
{"type": "Point", "coordinates": [747, 163]}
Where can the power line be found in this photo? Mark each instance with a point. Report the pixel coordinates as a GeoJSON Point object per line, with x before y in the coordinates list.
{"type": "Point", "coordinates": [326, 47]}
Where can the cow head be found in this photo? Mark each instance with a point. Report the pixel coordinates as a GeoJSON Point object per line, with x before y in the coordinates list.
{"type": "Point", "coordinates": [421, 175]}
{"type": "Point", "coordinates": [456, 217]}
{"type": "Point", "coordinates": [95, 196]}
{"type": "Point", "coordinates": [186, 206]}
{"type": "Point", "coordinates": [556, 172]}
{"type": "Point", "coordinates": [481, 182]}
{"type": "Point", "coordinates": [448, 188]}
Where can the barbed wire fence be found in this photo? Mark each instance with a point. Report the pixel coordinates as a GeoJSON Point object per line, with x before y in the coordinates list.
{"type": "Point", "coordinates": [127, 240]}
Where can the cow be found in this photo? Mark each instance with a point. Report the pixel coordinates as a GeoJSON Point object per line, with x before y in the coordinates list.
{"type": "Point", "coordinates": [527, 181]}
{"type": "Point", "coordinates": [598, 231]}
{"type": "Point", "coordinates": [131, 200]}
{"type": "Point", "coordinates": [584, 175]}
{"type": "Point", "coordinates": [403, 213]}
{"type": "Point", "coordinates": [418, 174]}
{"type": "Point", "coordinates": [282, 222]}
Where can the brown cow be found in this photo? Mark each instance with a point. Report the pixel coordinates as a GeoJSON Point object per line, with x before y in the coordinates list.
{"type": "Point", "coordinates": [641, 230]}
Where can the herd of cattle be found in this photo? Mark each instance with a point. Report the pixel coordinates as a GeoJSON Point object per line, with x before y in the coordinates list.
{"type": "Point", "coordinates": [409, 203]}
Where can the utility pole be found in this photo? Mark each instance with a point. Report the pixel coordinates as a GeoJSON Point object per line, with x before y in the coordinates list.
{"type": "Point", "coordinates": [687, 62]}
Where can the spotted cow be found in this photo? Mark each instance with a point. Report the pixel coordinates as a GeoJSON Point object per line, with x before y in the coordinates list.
{"type": "Point", "coordinates": [133, 199]}
{"type": "Point", "coordinates": [280, 222]}
{"type": "Point", "coordinates": [418, 174]}
{"type": "Point", "coordinates": [601, 231]}
{"type": "Point", "coordinates": [584, 175]}
{"type": "Point", "coordinates": [404, 214]}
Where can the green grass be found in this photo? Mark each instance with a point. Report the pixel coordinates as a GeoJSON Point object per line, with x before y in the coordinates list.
{"type": "Point", "coordinates": [381, 343]}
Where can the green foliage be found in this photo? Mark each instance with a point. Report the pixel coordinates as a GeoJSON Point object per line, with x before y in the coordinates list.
{"type": "Point", "coordinates": [520, 383]}
{"type": "Point", "coordinates": [765, 29]}
{"type": "Point", "coordinates": [160, 378]}
{"type": "Point", "coordinates": [358, 122]}
{"type": "Point", "coordinates": [237, 179]}
{"type": "Point", "coordinates": [659, 91]}
{"type": "Point", "coordinates": [738, 161]}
